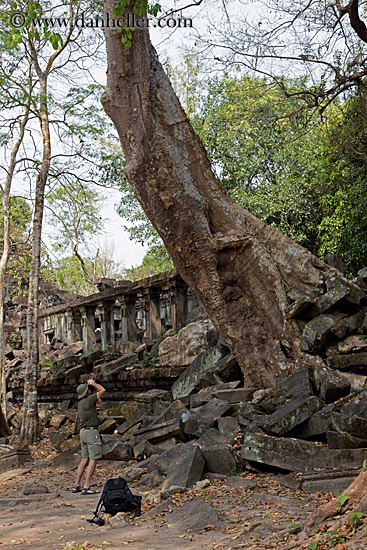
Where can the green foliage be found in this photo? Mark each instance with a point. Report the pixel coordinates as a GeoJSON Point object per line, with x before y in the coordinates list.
{"type": "Point", "coordinates": [265, 152]}
{"type": "Point", "coordinates": [156, 260]}
{"type": "Point", "coordinates": [343, 499]}
{"type": "Point", "coordinates": [343, 228]}
{"type": "Point", "coordinates": [356, 519]}
{"type": "Point", "coordinates": [67, 274]}
{"type": "Point", "coordinates": [20, 254]}
{"type": "Point", "coordinates": [149, 363]}
{"type": "Point", "coordinates": [75, 211]}
{"type": "Point", "coordinates": [46, 363]}
{"type": "Point", "coordinates": [140, 7]}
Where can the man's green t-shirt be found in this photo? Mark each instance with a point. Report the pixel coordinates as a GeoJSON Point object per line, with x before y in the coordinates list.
{"type": "Point", "coordinates": [88, 416]}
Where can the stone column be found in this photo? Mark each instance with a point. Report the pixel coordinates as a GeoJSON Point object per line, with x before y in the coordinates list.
{"type": "Point", "coordinates": [165, 309]}
{"type": "Point", "coordinates": [178, 301]}
{"type": "Point", "coordinates": [152, 313]}
{"type": "Point", "coordinates": [88, 328]}
{"type": "Point", "coordinates": [121, 302]}
{"type": "Point", "coordinates": [105, 314]}
{"type": "Point", "coordinates": [131, 326]}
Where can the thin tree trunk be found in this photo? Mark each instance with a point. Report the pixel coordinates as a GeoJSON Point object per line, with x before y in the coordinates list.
{"type": "Point", "coordinates": [4, 428]}
{"type": "Point", "coordinates": [5, 255]}
{"type": "Point", "coordinates": [30, 430]}
{"type": "Point", "coordinates": [244, 272]}
{"type": "Point", "coordinates": [87, 276]}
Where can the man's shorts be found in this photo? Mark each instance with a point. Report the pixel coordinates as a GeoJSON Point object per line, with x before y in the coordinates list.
{"type": "Point", "coordinates": [91, 443]}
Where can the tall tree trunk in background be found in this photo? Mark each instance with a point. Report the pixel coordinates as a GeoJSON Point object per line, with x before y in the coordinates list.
{"type": "Point", "coordinates": [30, 430]}
{"type": "Point", "coordinates": [244, 272]}
{"type": "Point", "coordinates": [5, 255]}
{"type": "Point", "coordinates": [4, 428]}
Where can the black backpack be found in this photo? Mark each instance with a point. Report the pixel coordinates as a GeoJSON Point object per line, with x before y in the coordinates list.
{"type": "Point", "coordinates": [116, 497]}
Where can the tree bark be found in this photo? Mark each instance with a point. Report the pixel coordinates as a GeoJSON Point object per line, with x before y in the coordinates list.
{"type": "Point", "coordinates": [30, 430]}
{"type": "Point", "coordinates": [244, 272]}
{"type": "Point", "coordinates": [5, 255]}
{"type": "Point", "coordinates": [4, 428]}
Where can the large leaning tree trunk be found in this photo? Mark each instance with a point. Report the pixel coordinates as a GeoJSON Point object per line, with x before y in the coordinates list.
{"type": "Point", "coordinates": [244, 272]}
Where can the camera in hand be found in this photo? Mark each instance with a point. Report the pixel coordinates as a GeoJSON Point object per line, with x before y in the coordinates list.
{"type": "Point", "coordinates": [92, 388]}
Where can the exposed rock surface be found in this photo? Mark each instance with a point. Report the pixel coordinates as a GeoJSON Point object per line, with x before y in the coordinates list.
{"type": "Point", "coordinates": [182, 348]}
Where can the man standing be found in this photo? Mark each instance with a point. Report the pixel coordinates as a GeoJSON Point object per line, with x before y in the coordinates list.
{"type": "Point", "coordinates": [89, 396]}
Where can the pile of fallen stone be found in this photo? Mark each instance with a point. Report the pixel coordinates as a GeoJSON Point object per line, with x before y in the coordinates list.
{"type": "Point", "coordinates": [312, 424]}
{"type": "Point", "coordinates": [328, 318]}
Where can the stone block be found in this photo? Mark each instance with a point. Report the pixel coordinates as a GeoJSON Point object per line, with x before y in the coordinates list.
{"type": "Point", "coordinates": [108, 426]}
{"type": "Point", "coordinates": [330, 385]}
{"type": "Point", "coordinates": [186, 469]}
{"type": "Point", "coordinates": [288, 387]}
{"type": "Point", "coordinates": [336, 440]}
{"type": "Point", "coordinates": [211, 438]}
{"type": "Point", "coordinates": [204, 418]}
{"type": "Point", "coordinates": [227, 369]}
{"type": "Point", "coordinates": [14, 457]}
{"type": "Point", "coordinates": [135, 419]}
{"type": "Point", "coordinates": [168, 444]}
{"type": "Point", "coordinates": [348, 325]}
{"type": "Point", "coordinates": [114, 449]}
{"type": "Point", "coordinates": [355, 407]}
{"type": "Point", "coordinates": [291, 415]}
{"type": "Point", "coordinates": [318, 424]}
{"type": "Point", "coordinates": [162, 462]}
{"type": "Point", "coordinates": [356, 426]}
{"type": "Point", "coordinates": [150, 481]}
{"type": "Point", "coordinates": [200, 399]}
{"type": "Point", "coordinates": [357, 381]}
{"type": "Point", "coordinates": [160, 432]}
{"type": "Point", "coordinates": [35, 490]}
{"type": "Point", "coordinates": [216, 452]}
{"type": "Point", "coordinates": [362, 278]}
{"type": "Point", "coordinates": [317, 331]}
{"type": "Point", "coordinates": [192, 377]}
{"type": "Point", "coordinates": [348, 362]}
{"type": "Point", "coordinates": [71, 415]}
{"type": "Point", "coordinates": [166, 506]}
{"type": "Point", "coordinates": [298, 455]}
{"type": "Point", "coordinates": [144, 449]}
{"type": "Point", "coordinates": [57, 439]}
{"type": "Point", "coordinates": [174, 411]}
{"type": "Point", "coordinates": [353, 296]}
{"type": "Point", "coordinates": [193, 516]}
{"type": "Point", "coordinates": [67, 460]}
{"type": "Point", "coordinates": [249, 412]}
{"type": "Point", "coordinates": [155, 400]}
{"type": "Point", "coordinates": [57, 419]}
{"type": "Point", "coordinates": [352, 344]}
{"type": "Point", "coordinates": [300, 306]}
{"type": "Point", "coordinates": [227, 425]}
{"type": "Point", "coordinates": [235, 395]}
{"type": "Point", "coordinates": [331, 298]}
{"type": "Point", "coordinates": [220, 386]}
{"type": "Point", "coordinates": [327, 481]}
{"type": "Point", "coordinates": [182, 348]}
{"type": "Point", "coordinates": [111, 369]}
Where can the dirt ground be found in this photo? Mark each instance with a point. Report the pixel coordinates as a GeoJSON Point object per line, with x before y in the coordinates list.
{"type": "Point", "coordinates": [256, 513]}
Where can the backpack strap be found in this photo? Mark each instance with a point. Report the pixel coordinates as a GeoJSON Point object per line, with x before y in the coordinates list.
{"type": "Point", "coordinates": [98, 507]}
